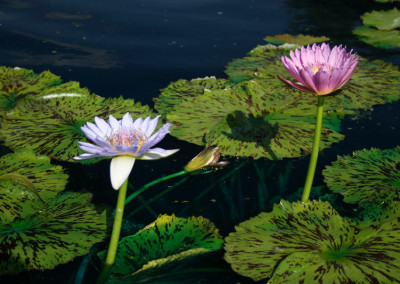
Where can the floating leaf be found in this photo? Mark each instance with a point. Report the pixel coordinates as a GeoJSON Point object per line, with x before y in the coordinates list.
{"type": "Point", "coordinates": [26, 182]}
{"type": "Point", "coordinates": [368, 175]}
{"type": "Point", "coordinates": [310, 243]}
{"type": "Point", "coordinates": [252, 120]}
{"type": "Point", "coordinates": [51, 126]}
{"type": "Point", "coordinates": [299, 40]}
{"type": "Point", "coordinates": [18, 84]}
{"type": "Point", "coordinates": [162, 244]}
{"type": "Point", "coordinates": [63, 229]}
{"type": "Point", "coordinates": [182, 89]}
{"type": "Point", "coordinates": [382, 20]}
{"type": "Point", "coordinates": [377, 38]}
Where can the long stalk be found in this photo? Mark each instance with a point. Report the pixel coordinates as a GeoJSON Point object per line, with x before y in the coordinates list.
{"type": "Point", "coordinates": [112, 248]}
{"type": "Point", "coordinates": [314, 152]}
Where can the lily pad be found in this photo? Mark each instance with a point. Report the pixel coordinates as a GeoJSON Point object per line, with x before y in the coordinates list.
{"type": "Point", "coordinates": [382, 20]}
{"type": "Point", "coordinates": [26, 183]}
{"type": "Point", "coordinates": [311, 243]}
{"type": "Point", "coordinates": [64, 228]}
{"type": "Point", "coordinates": [161, 245]}
{"type": "Point", "coordinates": [252, 120]}
{"type": "Point", "coordinates": [182, 89]}
{"type": "Point", "coordinates": [18, 84]}
{"type": "Point", "coordinates": [367, 175]}
{"type": "Point", "coordinates": [377, 38]}
{"type": "Point", "coordinates": [298, 39]}
{"type": "Point", "coordinates": [51, 126]}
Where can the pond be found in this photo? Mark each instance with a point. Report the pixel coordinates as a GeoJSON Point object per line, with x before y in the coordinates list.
{"type": "Point", "coordinates": [134, 54]}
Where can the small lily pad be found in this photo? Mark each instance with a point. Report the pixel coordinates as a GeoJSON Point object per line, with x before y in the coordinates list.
{"type": "Point", "coordinates": [161, 245]}
{"type": "Point", "coordinates": [377, 38]}
{"type": "Point", "coordinates": [66, 227]}
{"type": "Point", "coordinates": [51, 126]}
{"type": "Point", "coordinates": [367, 175]}
{"type": "Point", "coordinates": [252, 120]}
{"type": "Point", "coordinates": [182, 89]}
{"type": "Point", "coordinates": [26, 183]}
{"type": "Point", "coordinates": [310, 242]}
{"type": "Point", "coordinates": [18, 84]}
{"type": "Point", "coordinates": [298, 39]}
{"type": "Point", "coordinates": [382, 20]}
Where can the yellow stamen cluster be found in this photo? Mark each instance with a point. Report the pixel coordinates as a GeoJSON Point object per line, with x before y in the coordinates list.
{"type": "Point", "coordinates": [127, 137]}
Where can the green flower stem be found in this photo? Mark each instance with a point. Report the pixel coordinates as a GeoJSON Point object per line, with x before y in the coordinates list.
{"type": "Point", "coordinates": [314, 152]}
{"type": "Point", "coordinates": [112, 249]}
{"type": "Point", "coordinates": [150, 184]}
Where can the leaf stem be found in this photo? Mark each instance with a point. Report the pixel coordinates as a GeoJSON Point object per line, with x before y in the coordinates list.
{"type": "Point", "coordinates": [112, 249]}
{"type": "Point", "coordinates": [314, 152]}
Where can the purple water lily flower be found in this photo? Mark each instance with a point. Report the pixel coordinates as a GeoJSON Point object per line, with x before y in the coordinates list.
{"type": "Point", "coordinates": [126, 140]}
{"type": "Point", "coordinates": [320, 70]}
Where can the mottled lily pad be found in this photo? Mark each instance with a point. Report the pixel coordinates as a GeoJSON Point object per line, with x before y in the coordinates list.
{"type": "Point", "coordinates": [161, 245]}
{"type": "Point", "coordinates": [18, 84]}
{"type": "Point", "coordinates": [51, 126]}
{"type": "Point", "coordinates": [382, 20]}
{"type": "Point", "coordinates": [182, 89]}
{"type": "Point", "coordinates": [311, 243]}
{"type": "Point", "coordinates": [64, 228]}
{"type": "Point", "coordinates": [252, 120]}
{"type": "Point", "coordinates": [26, 183]}
{"type": "Point", "coordinates": [367, 175]}
{"type": "Point", "coordinates": [298, 39]}
{"type": "Point", "coordinates": [377, 38]}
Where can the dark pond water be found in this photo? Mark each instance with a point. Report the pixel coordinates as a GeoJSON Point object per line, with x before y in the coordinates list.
{"type": "Point", "coordinates": [135, 48]}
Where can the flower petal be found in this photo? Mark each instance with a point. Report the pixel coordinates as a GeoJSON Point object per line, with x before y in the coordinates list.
{"type": "Point", "coordinates": [157, 153]}
{"type": "Point", "coordinates": [127, 121]}
{"type": "Point", "coordinates": [102, 125]}
{"type": "Point", "coordinates": [120, 168]}
{"type": "Point", "coordinates": [86, 156]}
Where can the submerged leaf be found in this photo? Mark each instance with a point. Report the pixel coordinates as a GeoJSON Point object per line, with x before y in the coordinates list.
{"type": "Point", "coordinates": [26, 182]}
{"type": "Point", "coordinates": [51, 126]}
{"type": "Point", "coordinates": [252, 120]}
{"type": "Point", "coordinates": [161, 245]}
{"type": "Point", "coordinates": [63, 229]}
{"type": "Point", "coordinates": [309, 242]}
{"type": "Point", "coordinates": [368, 175]}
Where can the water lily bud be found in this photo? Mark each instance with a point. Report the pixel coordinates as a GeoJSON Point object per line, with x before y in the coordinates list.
{"type": "Point", "coordinates": [206, 159]}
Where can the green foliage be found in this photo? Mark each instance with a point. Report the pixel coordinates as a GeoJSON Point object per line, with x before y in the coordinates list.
{"type": "Point", "coordinates": [310, 242]}
{"type": "Point", "coordinates": [51, 126]}
{"type": "Point", "coordinates": [251, 119]}
{"type": "Point", "coordinates": [299, 40]}
{"type": "Point", "coordinates": [366, 176]}
{"type": "Point", "coordinates": [162, 245]}
{"type": "Point", "coordinates": [382, 20]}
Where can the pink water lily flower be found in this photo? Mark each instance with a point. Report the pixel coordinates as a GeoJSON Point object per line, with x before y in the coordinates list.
{"type": "Point", "coordinates": [126, 140]}
{"type": "Point", "coordinates": [320, 70]}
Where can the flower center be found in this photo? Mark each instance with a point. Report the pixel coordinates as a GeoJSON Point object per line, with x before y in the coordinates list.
{"type": "Point", "coordinates": [315, 68]}
{"type": "Point", "coordinates": [128, 138]}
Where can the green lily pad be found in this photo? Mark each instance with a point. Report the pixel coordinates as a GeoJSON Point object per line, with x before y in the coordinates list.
{"type": "Point", "coordinates": [161, 245]}
{"type": "Point", "coordinates": [51, 126]}
{"type": "Point", "coordinates": [311, 243]}
{"type": "Point", "coordinates": [382, 20]}
{"type": "Point", "coordinates": [367, 175]}
{"type": "Point", "coordinates": [182, 89]}
{"type": "Point", "coordinates": [19, 84]}
{"type": "Point", "coordinates": [252, 120]}
{"type": "Point", "coordinates": [299, 40]}
{"type": "Point", "coordinates": [26, 183]}
{"type": "Point", "coordinates": [377, 38]}
{"type": "Point", "coordinates": [64, 228]}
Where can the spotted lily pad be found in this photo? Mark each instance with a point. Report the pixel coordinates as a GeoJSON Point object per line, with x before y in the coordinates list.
{"type": "Point", "coordinates": [161, 245]}
{"type": "Point", "coordinates": [182, 89]}
{"type": "Point", "coordinates": [382, 20]}
{"type": "Point", "coordinates": [298, 39]}
{"type": "Point", "coordinates": [252, 120]}
{"type": "Point", "coordinates": [64, 228]}
{"type": "Point", "coordinates": [367, 175]}
{"type": "Point", "coordinates": [311, 243]}
{"type": "Point", "coordinates": [26, 183]}
{"type": "Point", "coordinates": [18, 84]}
{"type": "Point", "coordinates": [51, 126]}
